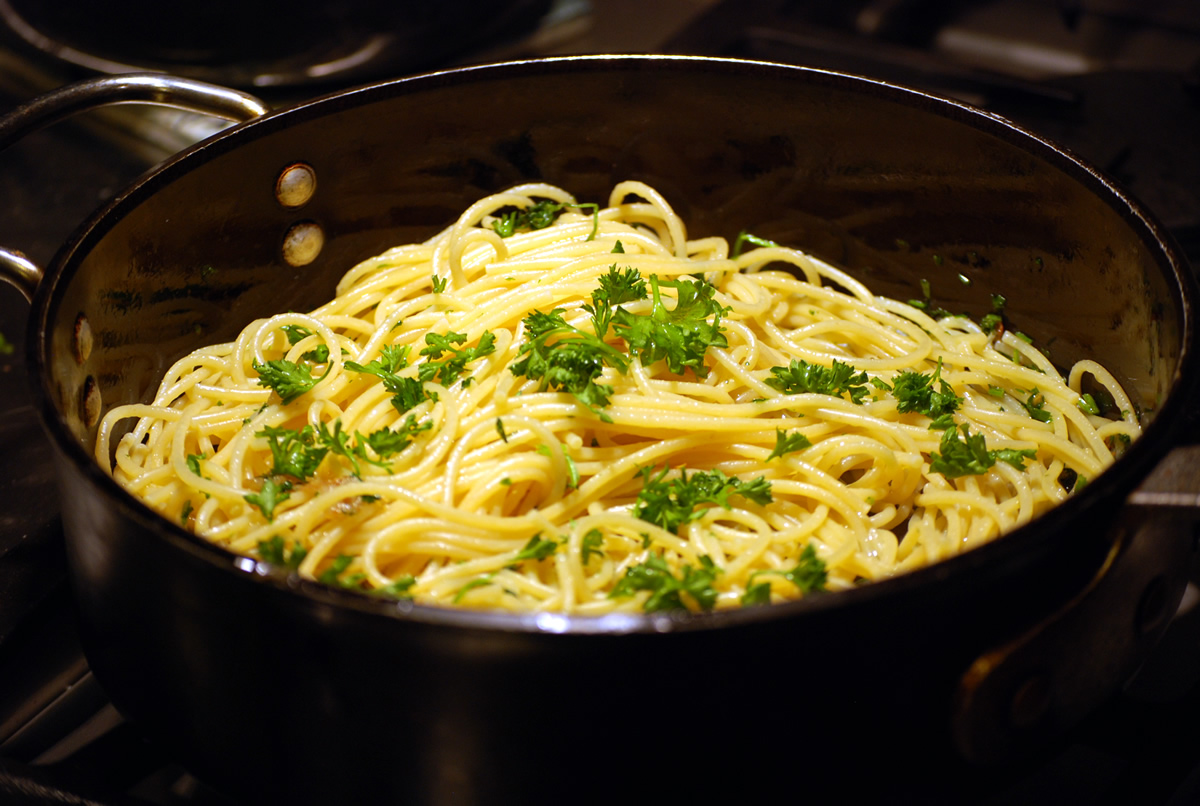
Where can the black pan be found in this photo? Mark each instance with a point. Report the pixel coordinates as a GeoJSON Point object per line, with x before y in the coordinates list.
{"type": "Point", "coordinates": [288, 691]}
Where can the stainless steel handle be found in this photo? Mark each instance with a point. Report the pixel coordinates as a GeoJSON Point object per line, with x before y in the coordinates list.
{"type": "Point", "coordinates": [1042, 683]}
{"type": "Point", "coordinates": [130, 88]}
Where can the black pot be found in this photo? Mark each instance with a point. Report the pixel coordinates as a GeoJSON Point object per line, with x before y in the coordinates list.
{"type": "Point", "coordinates": [293, 692]}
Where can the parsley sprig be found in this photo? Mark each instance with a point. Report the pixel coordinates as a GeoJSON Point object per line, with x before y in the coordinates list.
{"type": "Point", "coordinates": [448, 370]}
{"type": "Point", "coordinates": [809, 576]}
{"type": "Point", "coordinates": [801, 377]}
{"type": "Point", "coordinates": [407, 392]}
{"type": "Point", "coordinates": [672, 503]}
{"type": "Point", "coordinates": [680, 335]}
{"type": "Point", "coordinates": [274, 551]}
{"type": "Point", "coordinates": [666, 589]}
{"type": "Point", "coordinates": [968, 455]}
{"type": "Point", "coordinates": [287, 379]}
{"type": "Point", "coordinates": [540, 215]}
{"type": "Point", "coordinates": [925, 394]}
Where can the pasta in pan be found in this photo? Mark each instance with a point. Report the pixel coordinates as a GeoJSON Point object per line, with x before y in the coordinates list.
{"type": "Point", "coordinates": [553, 406]}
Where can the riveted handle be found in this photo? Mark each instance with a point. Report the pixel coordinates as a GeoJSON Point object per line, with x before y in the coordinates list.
{"type": "Point", "coordinates": [130, 88]}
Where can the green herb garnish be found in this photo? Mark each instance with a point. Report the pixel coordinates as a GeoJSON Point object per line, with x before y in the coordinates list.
{"type": "Point", "coordinates": [801, 377]}
{"type": "Point", "coordinates": [666, 589]}
{"type": "Point", "coordinates": [671, 504]}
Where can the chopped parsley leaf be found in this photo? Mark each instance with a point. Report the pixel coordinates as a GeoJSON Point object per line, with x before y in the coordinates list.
{"type": "Point", "coordinates": [540, 215]}
{"type": "Point", "coordinates": [472, 585]}
{"type": "Point", "coordinates": [666, 589]}
{"type": "Point", "coordinates": [398, 588]}
{"type": "Point", "coordinates": [193, 462]}
{"type": "Point", "coordinates": [744, 238]}
{"type": "Point", "coordinates": [801, 377]}
{"type": "Point", "coordinates": [274, 551]}
{"type": "Point", "coordinates": [294, 453]}
{"type": "Point", "coordinates": [788, 443]}
{"type": "Point", "coordinates": [969, 455]}
{"type": "Point", "coordinates": [536, 549]}
{"type": "Point", "coordinates": [333, 575]}
{"type": "Point", "coordinates": [681, 335]}
{"type": "Point", "coordinates": [809, 575]}
{"type": "Point", "coordinates": [564, 357]}
{"type": "Point", "coordinates": [1035, 405]}
{"type": "Point", "coordinates": [287, 379]}
{"type": "Point", "coordinates": [671, 504]}
{"type": "Point", "coordinates": [448, 370]}
{"type": "Point", "coordinates": [592, 543]}
{"type": "Point", "coordinates": [270, 496]}
{"type": "Point", "coordinates": [914, 391]}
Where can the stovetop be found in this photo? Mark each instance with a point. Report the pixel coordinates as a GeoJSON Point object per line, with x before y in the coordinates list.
{"type": "Point", "coordinates": [1117, 82]}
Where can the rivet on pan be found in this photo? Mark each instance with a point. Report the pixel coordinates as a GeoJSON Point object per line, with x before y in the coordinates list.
{"type": "Point", "coordinates": [89, 402]}
{"type": "Point", "coordinates": [296, 185]}
{"type": "Point", "coordinates": [303, 243]}
{"type": "Point", "coordinates": [83, 339]}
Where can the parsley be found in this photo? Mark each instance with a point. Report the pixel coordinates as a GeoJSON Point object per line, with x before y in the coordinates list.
{"type": "Point", "coordinates": [757, 594]}
{"type": "Point", "coordinates": [1118, 444]}
{"type": "Point", "coordinates": [288, 379]}
{"type": "Point", "coordinates": [386, 442]}
{"type": "Point", "coordinates": [474, 583]}
{"type": "Point", "coordinates": [809, 575]}
{"type": "Point", "coordinates": [398, 588]}
{"type": "Point", "coordinates": [671, 504]}
{"type": "Point", "coordinates": [993, 323]}
{"type": "Point", "coordinates": [440, 284]}
{"type": "Point", "coordinates": [564, 357]}
{"type": "Point", "coordinates": [338, 442]}
{"type": "Point", "coordinates": [273, 550]}
{"type": "Point", "coordinates": [969, 456]}
{"type": "Point", "coordinates": [788, 443]}
{"type": "Point", "coordinates": [1035, 404]}
{"type": "Point", "coordinates": [572, 470]}
{"type": "Point", "coordinates": [536, 549]}
{"type": "Point", "coordinates": [500, 430]}
{"type": "Point", "coordinates": [270, 496]}
{"type": "Point", "coordinates": [333, 575]}
{"type": "Point", "coordinates": [802, 377]}
{"type": "Point", "coordinates": [593, 543]}
{"type": "Point", "coordinates": [616, 287]}
{"type": "Point", "coordinates": [744, 238]}
{"type": "Point", "coordinates": [407, 393]}
{"type": "Point", "coordinates": [926, 303]}
{"type": "Point", "coordinates": [1087, 404]}
{"type": "Point", "coordinates": [447, 371]}
{"type": "Point", "coordinates": [665, 588]}
{"type": "Point", "coordinates": [914, 391]}
{"type": "Point", "coordinates": [618, 248]}
{"type": "Point", "coordinates": [193, 463]}
{"type": "Point", "coordinates": [295, 333]}
{"type": "Point", "coordinates": [186, 513]}
{"type": "Point", "coordinates": [294, 453]}
{"type": "Point", "coordinates": [540, 215]}
{"type": "Point", "coordinates": [317, 355]}
{"type": "Point", "coordinates": [681, 335]}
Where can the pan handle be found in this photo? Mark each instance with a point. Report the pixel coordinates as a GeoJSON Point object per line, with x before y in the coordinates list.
{"type": "Point", "coordinates": [129, 88]}
{"type": "Point", "coordinates": [1016, 697]}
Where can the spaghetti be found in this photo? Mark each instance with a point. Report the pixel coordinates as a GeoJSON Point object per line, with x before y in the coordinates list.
{"type": "Point", "coordinates": [550, 406]}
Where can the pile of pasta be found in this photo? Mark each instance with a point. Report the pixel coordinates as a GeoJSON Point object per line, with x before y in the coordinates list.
{"type": "Point", "coordinates": [453, 428]}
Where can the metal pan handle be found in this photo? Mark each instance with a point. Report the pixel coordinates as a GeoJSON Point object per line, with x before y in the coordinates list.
{"type": "Point", "coordinates": [130, 88]}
